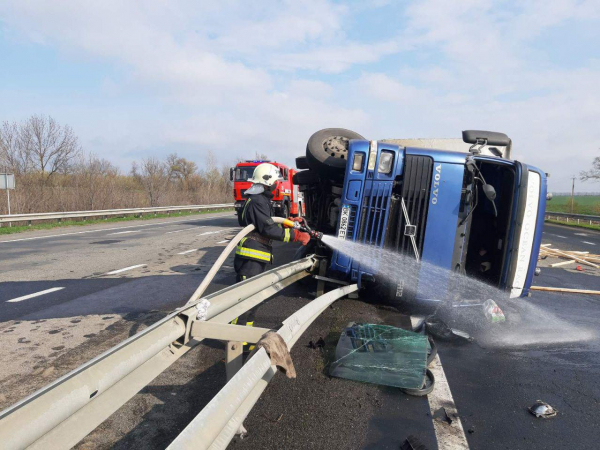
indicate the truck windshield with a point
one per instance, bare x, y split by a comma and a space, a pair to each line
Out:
244, 173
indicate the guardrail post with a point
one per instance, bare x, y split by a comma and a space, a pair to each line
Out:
235, 358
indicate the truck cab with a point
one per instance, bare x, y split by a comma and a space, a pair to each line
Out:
287, 200
475, 212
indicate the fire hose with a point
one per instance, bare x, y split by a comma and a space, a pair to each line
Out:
300, 225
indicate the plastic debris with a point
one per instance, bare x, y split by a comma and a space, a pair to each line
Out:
493, 312
542, 409
412, 443
439, 329
202, 308
441, 415
579, 268
315, 345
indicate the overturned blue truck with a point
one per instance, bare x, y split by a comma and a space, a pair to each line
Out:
461, 205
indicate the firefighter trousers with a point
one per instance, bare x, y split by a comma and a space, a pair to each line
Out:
246, 268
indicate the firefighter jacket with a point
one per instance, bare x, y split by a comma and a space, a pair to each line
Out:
257, 245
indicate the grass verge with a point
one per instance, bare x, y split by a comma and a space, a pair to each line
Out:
575, 225
5, 229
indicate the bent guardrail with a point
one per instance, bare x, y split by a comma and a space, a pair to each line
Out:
218, 422
64, 412
11, 218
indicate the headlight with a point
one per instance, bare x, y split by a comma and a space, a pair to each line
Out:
357, 164
385, 162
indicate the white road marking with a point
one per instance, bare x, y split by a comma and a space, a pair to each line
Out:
37, 294
449, 436
210, 232
114, 272
581, 234
188, 251
589, 243
111, 229
222, 242
185, 229
558, 235
125, 232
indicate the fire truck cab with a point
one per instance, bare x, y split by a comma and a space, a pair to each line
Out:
287, 199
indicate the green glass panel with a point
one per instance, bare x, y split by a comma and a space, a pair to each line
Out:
381, 354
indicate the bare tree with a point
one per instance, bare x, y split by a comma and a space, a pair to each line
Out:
96, 180
153, 176
181, 170
50, 146
13, 152
592, 174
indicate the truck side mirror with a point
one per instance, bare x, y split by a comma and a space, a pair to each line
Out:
231, 171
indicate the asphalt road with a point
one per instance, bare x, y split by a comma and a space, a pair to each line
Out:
548, 349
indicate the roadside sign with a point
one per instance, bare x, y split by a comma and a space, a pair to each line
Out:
7, 181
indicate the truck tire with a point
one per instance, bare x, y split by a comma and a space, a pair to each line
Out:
327, 150
301, 163
305, 177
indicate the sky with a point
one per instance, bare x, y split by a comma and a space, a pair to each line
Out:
148, 78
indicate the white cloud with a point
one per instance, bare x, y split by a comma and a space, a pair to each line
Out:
231, 76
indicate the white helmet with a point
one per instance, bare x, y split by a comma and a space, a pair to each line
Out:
265, 174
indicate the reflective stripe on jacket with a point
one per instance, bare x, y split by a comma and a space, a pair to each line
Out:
257, 211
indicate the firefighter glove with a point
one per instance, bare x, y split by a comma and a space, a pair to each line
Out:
301, 236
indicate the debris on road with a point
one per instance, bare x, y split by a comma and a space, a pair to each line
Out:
441, 415
493, 312
571, 256
542, 409
381, 354
566, 290
315, 345
439, 329
412, 443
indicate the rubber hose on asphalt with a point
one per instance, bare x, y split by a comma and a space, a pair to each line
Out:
221, 259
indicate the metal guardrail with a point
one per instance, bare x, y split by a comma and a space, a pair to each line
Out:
219, 421
64, 412
10, 218
574, 217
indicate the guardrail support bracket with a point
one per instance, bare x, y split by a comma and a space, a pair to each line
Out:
227, 332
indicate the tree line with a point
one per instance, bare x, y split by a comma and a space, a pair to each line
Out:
54, 173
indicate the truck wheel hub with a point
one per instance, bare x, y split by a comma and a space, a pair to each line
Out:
336, 146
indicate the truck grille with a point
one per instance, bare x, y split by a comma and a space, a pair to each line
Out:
372, 214
416, 187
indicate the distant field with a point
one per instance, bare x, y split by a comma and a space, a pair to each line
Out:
584, 204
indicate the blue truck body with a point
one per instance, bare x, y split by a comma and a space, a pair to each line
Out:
434, 185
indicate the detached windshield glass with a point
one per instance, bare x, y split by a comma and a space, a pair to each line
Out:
244, 173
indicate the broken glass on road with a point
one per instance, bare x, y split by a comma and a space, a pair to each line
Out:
381, 354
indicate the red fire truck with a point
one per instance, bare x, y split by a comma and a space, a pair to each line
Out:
287, 200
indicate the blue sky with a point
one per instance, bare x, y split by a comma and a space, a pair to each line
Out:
143, 78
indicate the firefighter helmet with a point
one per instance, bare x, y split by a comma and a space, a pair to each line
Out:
265, 174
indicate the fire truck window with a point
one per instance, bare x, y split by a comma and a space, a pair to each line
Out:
243, 173
284, 173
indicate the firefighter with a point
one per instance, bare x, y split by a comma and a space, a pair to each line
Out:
254, 251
